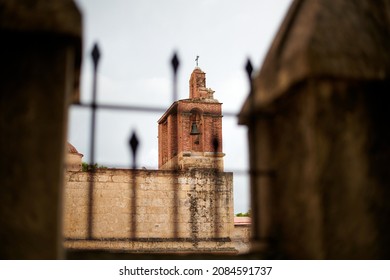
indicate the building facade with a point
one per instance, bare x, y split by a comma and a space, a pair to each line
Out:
185, 206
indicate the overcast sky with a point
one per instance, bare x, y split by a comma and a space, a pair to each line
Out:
137, 40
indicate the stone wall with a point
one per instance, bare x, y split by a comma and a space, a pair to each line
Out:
241, 236
172, 211
40, 56
191, 160
318, 120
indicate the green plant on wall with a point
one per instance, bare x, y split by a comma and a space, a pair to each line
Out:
90, 167
247, 214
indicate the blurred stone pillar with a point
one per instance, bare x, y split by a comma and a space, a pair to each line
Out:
319, 119
40, 54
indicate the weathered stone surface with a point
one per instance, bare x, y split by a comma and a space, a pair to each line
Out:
202, 210
318, 128
40, 55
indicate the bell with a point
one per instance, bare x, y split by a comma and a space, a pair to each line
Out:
194, 130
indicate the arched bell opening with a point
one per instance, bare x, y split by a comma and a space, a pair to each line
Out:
196, 130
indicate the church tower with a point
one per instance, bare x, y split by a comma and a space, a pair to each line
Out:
190, 131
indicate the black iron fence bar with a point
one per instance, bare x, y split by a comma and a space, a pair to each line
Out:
175, 66
176, 203
133, 143
254, 191
236, 172
95, 57
217, 204
145, 109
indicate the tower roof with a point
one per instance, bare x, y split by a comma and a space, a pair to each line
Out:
198, 89
71, 149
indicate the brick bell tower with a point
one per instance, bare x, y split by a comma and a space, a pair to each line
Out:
190, 131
